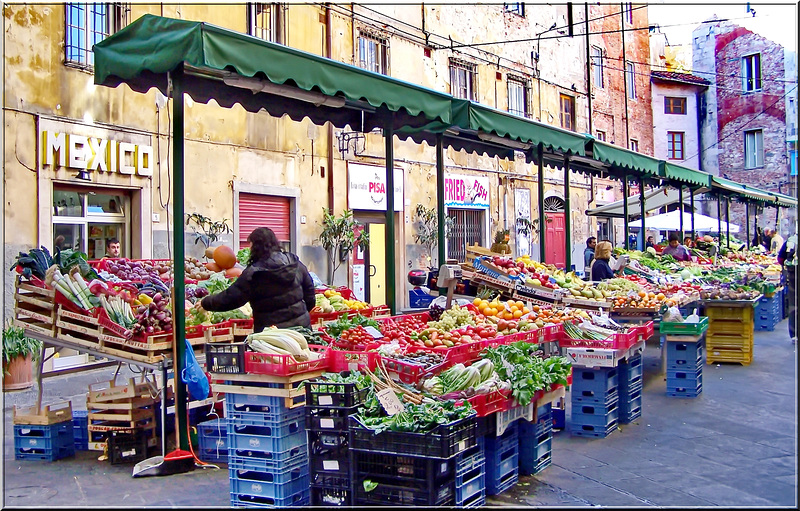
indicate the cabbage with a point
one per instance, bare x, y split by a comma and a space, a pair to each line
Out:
686, 274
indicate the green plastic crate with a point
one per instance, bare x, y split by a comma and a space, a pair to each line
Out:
684, 328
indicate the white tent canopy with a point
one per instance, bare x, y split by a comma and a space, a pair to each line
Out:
671, 222
653, 199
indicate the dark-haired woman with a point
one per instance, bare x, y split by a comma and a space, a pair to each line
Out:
277, 285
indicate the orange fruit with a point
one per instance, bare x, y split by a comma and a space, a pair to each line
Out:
517, 314
477, 301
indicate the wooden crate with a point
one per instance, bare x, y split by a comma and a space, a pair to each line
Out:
80, 328
49, 414
290, 386
34, 308
120, 407
109, 392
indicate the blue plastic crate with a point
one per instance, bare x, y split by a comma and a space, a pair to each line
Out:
587, 396
32, 453
589, 430
255, 414
493, 446
632, 400
275, 437
471, 458
598, 379
255, 460
633, 388
497, 485
544, 412
474, 501
631, 416
684, 350
474, 484
299, 499
212, 439
44, 438
684, 378
531, 455
630, 369
687, 391
543, 425
543, 463
418, 298
268, 484
588, 414
499, 467
559, 418
276, 403
80, 429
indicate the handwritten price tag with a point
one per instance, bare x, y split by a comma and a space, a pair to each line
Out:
390, 402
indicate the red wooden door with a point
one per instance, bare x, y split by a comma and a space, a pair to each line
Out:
555, 240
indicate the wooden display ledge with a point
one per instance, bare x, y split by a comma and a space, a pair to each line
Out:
239, 385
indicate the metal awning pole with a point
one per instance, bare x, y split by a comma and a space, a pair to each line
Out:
178, 312
691, 203
440, 213
747, 222
640, 239
391, 264
719, 219
567, 216
540, 187
625, 208
728, 221
680, 208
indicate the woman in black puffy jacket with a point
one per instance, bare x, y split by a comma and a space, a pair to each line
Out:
277, 285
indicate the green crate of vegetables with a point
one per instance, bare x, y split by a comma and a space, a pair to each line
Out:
679, 328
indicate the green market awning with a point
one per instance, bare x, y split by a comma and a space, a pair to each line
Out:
622, 159
682, 174
259, 75
785, 200
728, 187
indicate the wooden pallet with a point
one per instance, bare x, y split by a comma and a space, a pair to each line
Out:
34, 308
49, 414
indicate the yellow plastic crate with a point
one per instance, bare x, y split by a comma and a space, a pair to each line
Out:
732, 313
715, 355
731, 327
729, 341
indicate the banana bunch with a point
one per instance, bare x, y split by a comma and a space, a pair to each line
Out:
281, 341
459, 377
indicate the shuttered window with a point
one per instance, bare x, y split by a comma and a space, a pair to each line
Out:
263, 211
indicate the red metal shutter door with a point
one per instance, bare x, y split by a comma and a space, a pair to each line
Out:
263, 211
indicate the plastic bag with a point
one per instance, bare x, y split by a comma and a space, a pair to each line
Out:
673, 315
193, 375
692, 318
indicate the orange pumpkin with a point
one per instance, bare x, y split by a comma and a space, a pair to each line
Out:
233, 272
212, 266
224, 257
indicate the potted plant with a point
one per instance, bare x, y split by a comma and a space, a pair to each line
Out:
19, 351
428, 230
206, 230
338, 238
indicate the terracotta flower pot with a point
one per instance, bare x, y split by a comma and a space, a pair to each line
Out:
18, 374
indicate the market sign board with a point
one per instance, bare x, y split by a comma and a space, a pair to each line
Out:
94, 154
470, 192
366, 187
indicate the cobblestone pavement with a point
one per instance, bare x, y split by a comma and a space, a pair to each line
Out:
734, 445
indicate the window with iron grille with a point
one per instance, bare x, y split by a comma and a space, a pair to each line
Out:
462, 79
266, 21
467, 230
674, 105
597, 66
675, 145
517, 96
515, 7
751, 72
372, 53
567, 112
753, 149
630, 78
89, 23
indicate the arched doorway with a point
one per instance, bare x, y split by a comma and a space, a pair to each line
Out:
555, 235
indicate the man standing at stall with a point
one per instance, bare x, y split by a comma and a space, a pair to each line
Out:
787, 258
776, 242
588, 253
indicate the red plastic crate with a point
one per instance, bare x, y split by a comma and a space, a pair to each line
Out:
106, 322
317, 317
195, 331
486, 404
66, 303
339, 360
282, 365
367, 313
644, 332
240, 325
613, 342
410, 373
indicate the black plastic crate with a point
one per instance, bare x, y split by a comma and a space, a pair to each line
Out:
387, 493
127, 447
333, 464
336, 496
225, 358
328, 418
320, 442
414, 470
444, 441
327, 393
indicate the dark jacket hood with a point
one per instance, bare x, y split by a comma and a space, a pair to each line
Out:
279, 267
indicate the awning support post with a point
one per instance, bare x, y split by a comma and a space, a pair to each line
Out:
747, 222
719, 219
728, 222
540, 187
680, 209
178, 313
625, 209
440, 213
391, 266
640, 239
691, 203
567, 216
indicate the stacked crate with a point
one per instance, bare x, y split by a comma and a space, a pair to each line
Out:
212, 441
730, 333
536, 441
502, 460
397, 468
124, 409
471, 476
45, 434
328, 406
630, 389
769, 312
595, 401
267, 457
80, 429
684, 365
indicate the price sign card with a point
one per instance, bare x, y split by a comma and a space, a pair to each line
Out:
391, 403
374, 332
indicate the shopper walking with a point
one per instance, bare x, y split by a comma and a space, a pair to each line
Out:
588, 253
676, 250
787, 258
277, 285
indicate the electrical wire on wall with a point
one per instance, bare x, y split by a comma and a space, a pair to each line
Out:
165, 203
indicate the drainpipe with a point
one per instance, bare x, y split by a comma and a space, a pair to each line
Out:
391, 263
328, 54
625, 207
567, 217
588, 71
540, 185
625, 78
